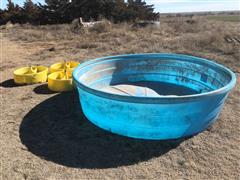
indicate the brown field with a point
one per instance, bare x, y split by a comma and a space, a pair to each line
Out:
45, 136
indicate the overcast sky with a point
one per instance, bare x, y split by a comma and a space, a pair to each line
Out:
166, 6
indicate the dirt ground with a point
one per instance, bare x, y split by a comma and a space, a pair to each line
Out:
44, 135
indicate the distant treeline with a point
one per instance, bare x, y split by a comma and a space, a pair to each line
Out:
64, 11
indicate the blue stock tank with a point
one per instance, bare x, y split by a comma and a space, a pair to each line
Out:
185, 94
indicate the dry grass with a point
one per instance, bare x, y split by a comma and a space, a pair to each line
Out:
181, 35
196, 36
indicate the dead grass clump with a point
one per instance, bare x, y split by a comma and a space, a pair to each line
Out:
236, 54
10, 26
166, 30
58, 32
205, 40
210, 41
185, 27
120, 35
30, 35
102, 27
196, 25
86, 46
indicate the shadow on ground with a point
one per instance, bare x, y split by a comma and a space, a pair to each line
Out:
43, 89
9, 84
56, 130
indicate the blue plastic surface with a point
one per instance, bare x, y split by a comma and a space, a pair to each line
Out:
201, 87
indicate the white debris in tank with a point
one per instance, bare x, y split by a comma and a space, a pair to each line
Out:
132, 90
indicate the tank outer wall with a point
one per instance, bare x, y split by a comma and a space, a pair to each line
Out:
152, 121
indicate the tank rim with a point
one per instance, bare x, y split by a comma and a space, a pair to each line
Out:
154, 100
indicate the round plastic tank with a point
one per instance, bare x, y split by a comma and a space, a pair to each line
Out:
186, 94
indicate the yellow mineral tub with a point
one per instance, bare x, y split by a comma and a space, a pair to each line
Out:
30, 75
68, 66
60, 81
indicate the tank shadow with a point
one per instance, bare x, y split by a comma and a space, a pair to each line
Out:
56, 130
